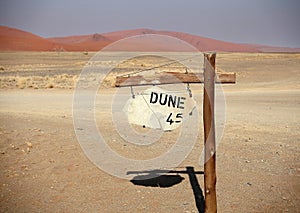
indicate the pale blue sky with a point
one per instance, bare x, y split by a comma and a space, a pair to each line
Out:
270, 22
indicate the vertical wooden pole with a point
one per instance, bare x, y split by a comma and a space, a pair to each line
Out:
209, 134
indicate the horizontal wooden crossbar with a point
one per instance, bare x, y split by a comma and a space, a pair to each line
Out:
171, 78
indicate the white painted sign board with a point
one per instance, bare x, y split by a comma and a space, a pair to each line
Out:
159, 109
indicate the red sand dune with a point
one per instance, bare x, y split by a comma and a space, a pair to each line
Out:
17, 40
86, 42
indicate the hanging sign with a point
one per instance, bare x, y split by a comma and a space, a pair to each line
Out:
160, 109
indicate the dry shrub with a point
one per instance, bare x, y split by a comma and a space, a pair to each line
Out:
50, 85
21, 83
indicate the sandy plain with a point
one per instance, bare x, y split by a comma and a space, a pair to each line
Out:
43, 168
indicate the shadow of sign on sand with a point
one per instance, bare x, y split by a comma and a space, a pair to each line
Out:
162, 181
169, 180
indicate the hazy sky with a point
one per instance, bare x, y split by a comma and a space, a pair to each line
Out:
270, 22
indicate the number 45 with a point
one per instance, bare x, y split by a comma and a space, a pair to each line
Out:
178, 118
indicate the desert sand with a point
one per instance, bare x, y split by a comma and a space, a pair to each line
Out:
43, 168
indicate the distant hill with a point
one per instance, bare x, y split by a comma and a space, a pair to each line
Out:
17, 40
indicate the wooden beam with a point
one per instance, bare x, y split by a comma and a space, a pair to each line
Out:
209, 134
171, 78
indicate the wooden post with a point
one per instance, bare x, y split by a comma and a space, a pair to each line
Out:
209, 134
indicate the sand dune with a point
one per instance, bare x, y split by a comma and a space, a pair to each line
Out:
17, 40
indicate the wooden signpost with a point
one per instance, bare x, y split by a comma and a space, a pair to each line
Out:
209, 79
210, 177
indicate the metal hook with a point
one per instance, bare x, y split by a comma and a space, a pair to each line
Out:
189, 90
188, 85
132, 92
131, 89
